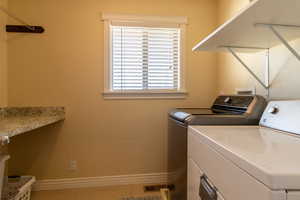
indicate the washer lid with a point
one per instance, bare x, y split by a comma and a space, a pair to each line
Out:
272, 157
182, 114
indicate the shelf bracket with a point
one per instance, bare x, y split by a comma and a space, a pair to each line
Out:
281, 38
235, 55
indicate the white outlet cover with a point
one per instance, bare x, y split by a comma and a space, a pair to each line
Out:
73, 165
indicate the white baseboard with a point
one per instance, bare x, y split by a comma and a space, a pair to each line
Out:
86, 182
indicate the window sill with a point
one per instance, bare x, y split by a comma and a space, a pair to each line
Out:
144, 94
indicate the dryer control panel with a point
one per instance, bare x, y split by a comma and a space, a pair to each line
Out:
282, 115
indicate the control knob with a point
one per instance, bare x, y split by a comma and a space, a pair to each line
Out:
273, 110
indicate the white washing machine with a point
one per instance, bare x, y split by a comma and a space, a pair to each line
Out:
247, 162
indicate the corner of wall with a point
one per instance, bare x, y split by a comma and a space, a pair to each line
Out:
226, 66
3, 57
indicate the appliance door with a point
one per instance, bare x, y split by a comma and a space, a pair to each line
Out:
230, 180
177, 159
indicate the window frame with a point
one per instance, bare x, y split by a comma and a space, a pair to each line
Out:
148, 21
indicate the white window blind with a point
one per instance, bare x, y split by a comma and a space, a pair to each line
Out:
145, 58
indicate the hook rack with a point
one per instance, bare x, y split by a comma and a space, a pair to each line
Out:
266, 85
26, 28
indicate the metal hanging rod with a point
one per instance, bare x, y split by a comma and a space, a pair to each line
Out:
285, 42
244, 47
280, 37
278, 25
266, 86
26, 28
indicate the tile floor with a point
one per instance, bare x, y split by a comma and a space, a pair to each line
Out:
103, 193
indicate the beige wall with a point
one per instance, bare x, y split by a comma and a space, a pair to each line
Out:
3, 56
228, 8
231, 75
64, 66
284, 67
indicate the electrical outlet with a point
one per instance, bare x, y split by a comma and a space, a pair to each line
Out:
73, 165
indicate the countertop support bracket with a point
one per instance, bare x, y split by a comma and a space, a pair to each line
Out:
235, 55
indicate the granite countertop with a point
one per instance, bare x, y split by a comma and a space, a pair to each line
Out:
18, 120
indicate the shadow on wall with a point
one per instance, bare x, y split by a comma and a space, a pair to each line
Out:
29, 149
285, 71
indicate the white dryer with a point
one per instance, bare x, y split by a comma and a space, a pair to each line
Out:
247, 162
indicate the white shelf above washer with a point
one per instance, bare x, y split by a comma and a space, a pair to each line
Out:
243, 30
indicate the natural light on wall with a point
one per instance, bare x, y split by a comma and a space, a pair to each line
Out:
144, 56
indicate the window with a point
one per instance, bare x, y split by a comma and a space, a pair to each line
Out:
144, 57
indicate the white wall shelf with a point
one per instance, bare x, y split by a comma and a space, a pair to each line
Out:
254, 27
260, 26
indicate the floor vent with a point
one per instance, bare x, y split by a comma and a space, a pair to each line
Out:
143, 198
